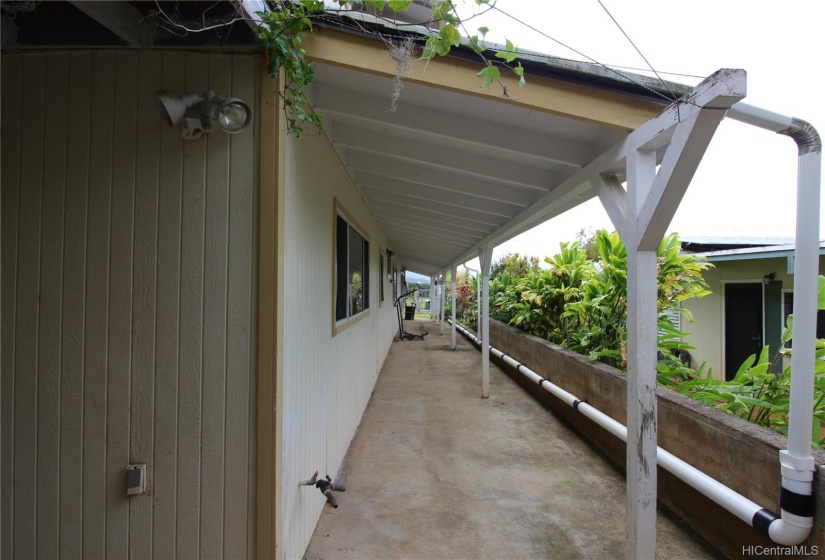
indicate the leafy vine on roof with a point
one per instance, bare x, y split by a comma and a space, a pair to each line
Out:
281, 30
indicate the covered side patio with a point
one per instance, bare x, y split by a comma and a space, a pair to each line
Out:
436, 472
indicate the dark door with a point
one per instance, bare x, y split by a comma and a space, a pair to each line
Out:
743, 324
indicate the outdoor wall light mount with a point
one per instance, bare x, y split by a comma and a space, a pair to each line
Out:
768, 278
231, 114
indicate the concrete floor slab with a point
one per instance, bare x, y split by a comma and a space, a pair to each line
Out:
435, 471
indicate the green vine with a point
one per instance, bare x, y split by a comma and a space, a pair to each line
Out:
281, 31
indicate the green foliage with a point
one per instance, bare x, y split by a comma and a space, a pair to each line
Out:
514, 265
509, 54
756, 393
580, 302
281, 32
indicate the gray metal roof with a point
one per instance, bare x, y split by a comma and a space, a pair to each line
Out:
752, 253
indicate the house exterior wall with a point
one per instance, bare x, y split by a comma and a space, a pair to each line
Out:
327, 378
707, 333
129, 315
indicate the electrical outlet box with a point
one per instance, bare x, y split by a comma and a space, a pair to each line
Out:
135, 479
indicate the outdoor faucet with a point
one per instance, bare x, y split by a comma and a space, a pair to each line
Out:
325, 486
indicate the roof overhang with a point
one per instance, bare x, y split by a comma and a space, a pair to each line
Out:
754, 253
455, 165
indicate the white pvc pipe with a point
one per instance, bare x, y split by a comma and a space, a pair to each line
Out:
759, 117
789, 530
797, 462
806, 271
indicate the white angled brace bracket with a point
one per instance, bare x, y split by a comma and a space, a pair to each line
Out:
682, 132
678, 139
614, 199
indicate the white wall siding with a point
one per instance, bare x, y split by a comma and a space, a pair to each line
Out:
327, 379
129, 315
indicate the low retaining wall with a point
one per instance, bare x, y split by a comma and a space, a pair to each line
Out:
741, 455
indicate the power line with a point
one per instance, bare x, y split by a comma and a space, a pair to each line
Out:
637, 49
591, 59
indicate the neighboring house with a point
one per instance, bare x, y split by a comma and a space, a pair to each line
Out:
752, 295
218, 310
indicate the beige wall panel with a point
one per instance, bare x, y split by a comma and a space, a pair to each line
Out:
144, 274
51, 267
127, 259
97, 306
167, 347
240, 497
28, 272
706, 328
191, 330
120, 304
327, 379
74, 303
214, 326
12, 94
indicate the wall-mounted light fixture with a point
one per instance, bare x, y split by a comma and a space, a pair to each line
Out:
389, 264
230, 113
768, 278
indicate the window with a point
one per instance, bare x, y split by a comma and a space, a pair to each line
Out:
380, 278
787, 309
352, 279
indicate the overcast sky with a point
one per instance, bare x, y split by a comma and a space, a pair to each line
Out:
746, 184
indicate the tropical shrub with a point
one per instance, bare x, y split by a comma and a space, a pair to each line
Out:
756, 393
581, 303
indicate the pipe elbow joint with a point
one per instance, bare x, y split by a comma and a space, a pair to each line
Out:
790, 529
805, 135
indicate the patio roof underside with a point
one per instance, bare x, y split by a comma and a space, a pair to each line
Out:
445, 171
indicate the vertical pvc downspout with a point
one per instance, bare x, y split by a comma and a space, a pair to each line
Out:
796, 498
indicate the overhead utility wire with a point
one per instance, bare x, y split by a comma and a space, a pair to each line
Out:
390, 37
637, 49
591, 59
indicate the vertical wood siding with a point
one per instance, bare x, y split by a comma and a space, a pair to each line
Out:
129, 319
327, 379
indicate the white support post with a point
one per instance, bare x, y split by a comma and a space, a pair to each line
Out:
442, 300
641, 216
453, 274
485, 321
433, 289
641, 371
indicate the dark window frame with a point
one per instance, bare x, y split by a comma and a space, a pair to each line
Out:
351, 272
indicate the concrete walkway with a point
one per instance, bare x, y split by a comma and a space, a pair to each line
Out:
437, 472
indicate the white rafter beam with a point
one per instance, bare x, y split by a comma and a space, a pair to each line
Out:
375, 142
458, 130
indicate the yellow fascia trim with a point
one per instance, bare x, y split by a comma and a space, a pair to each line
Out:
540, 94
270, 320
